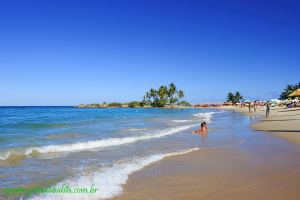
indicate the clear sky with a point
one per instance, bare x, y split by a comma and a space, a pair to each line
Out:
59, 52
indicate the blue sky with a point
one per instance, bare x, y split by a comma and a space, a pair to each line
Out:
58, 52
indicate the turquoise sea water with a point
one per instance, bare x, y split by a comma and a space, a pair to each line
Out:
55, 145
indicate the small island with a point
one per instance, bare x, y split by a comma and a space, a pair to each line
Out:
163, 97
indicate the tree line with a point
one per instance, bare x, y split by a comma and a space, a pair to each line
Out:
234, 98
288, 90
237, 97
165, 96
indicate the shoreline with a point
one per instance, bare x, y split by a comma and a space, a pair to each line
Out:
282, 122
269, 171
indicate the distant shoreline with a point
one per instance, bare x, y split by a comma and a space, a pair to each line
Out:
36, 106
282, 122
136, 107
128, 105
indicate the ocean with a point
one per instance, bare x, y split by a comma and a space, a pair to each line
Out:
100, 147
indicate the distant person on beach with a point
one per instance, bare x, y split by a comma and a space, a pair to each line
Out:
249, 106
203, 128
254, 106
267, 109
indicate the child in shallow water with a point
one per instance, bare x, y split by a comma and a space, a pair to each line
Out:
203, 128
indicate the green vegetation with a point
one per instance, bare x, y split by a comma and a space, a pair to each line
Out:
163, 96
135, 104
115, 105
234, 98
288, 90
93, 105
184, 103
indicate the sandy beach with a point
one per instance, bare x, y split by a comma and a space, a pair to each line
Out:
266, 167
282, 122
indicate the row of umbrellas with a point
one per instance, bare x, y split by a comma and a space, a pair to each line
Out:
296, 93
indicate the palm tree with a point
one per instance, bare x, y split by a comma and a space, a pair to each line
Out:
288, 90
147, 98
163, 96
238, 97
234, 98
230, 97
180, 94
163, 92
171, 92
153, 94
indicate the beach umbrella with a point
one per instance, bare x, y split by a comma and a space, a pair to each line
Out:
276, 100
296, 93
287, 101
247, 101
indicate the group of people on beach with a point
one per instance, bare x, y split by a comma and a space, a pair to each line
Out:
267, 106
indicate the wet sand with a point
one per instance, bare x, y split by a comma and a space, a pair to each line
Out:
268, 169
282, 122
217, 174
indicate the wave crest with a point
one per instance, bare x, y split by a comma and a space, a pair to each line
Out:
108, 180
206, 116
83, 146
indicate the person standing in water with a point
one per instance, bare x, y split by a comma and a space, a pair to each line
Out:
267, 109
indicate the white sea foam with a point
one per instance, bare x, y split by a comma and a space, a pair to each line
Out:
6, 155
206, 116
109, 181
136, 129
83, 146
181, 121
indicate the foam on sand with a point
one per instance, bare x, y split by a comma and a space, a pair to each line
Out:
109, 181
83, 146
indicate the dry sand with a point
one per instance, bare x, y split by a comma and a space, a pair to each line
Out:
282, 122
257, 172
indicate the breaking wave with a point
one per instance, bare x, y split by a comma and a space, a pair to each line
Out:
206, 116
109, 181
181, 120
83, 146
